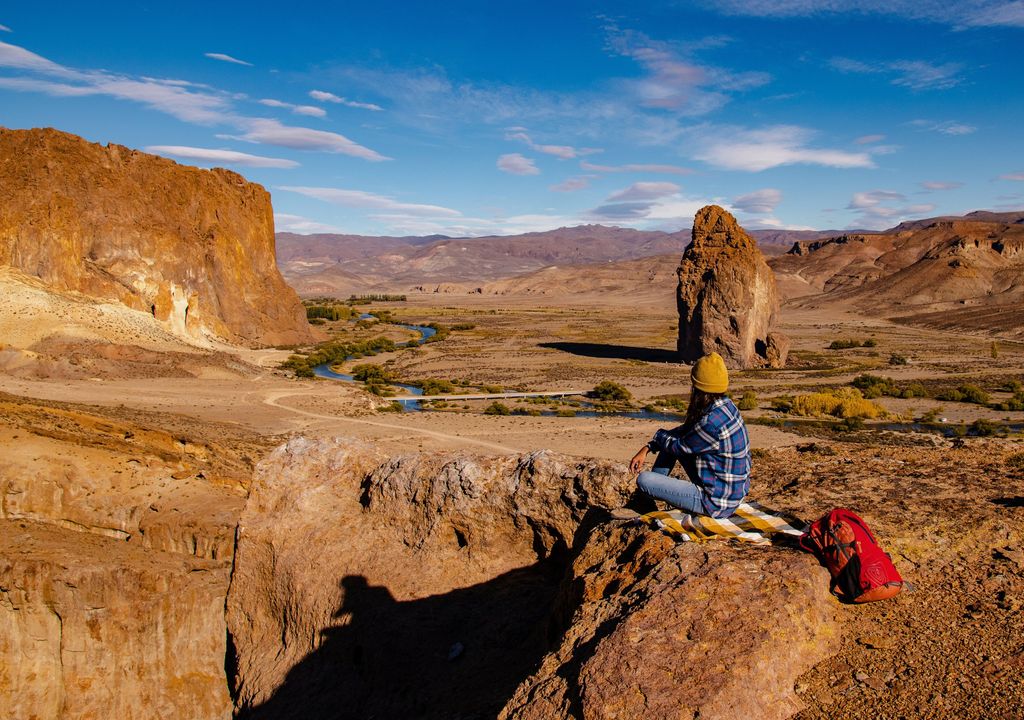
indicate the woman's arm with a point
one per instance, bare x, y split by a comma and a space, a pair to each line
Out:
638, 460
694, 442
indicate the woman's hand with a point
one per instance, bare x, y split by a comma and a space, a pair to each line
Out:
637, 463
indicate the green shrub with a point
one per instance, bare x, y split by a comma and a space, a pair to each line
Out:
364, 299
534, 412
870, 342
1016, 461
986, 428
609, 391
393, 406
371, 374
497, 408
897, 359
844, 344
463, 326
565, 412
748, 401
967, 394
782, 403
434, 386
841, 403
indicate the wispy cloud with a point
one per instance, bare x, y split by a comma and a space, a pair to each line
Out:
936, 185
297, 109
946, 127
868, 139
4, 28
1012, 176
563, 152
879, 209
759, 202
323, 96
637, 168
674, 81
913, 74
756, 150
644, 191
285, 222
372, 201
183, 100
272, 132
516, 164
572, 184
968, 13
227, 58
230, 157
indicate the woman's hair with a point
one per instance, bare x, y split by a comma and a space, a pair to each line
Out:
700, 401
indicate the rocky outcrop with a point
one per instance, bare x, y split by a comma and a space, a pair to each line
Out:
659, 630
96, 628
726, 296
193, 247
328, 621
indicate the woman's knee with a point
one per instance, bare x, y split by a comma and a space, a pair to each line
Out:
648, 480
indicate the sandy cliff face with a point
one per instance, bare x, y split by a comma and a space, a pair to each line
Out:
193, 247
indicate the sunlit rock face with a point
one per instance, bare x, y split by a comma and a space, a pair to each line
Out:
193, 247
726, 296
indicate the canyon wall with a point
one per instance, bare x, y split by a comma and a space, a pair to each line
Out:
193, 247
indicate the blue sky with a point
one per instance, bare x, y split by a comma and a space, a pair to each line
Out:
484, 118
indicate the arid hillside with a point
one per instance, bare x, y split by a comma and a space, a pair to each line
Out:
193, 248
971, 268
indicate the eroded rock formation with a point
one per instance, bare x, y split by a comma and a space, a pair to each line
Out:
726, 296
193, 247
433, 585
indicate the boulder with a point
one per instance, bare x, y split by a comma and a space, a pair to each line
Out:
655, 629
726, 296
193, 247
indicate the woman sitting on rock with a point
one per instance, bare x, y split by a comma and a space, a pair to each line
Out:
711, 445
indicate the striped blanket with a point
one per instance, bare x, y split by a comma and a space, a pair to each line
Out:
751, 522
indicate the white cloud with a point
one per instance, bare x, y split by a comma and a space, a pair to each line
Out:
272, 132
1012, 176
756, 150
221, 156
637, 168
284, 222
323, 96
516, 164
297, 109
372, 201
868, 139
564, 152
183, 100
673, 81
759, 202
940, 185
967, 13
4, 28
946, 127
644, 191
572, 184
227, 58
880, 209
913, 74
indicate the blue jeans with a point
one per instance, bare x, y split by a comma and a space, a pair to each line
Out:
682, 493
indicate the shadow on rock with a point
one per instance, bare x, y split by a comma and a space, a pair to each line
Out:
614, 352
457, 655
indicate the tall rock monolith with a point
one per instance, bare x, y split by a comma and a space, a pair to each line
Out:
726, 297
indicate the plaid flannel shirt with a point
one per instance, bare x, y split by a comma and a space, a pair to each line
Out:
721, 449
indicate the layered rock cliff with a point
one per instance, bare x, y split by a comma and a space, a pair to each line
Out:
726, 296
193, 247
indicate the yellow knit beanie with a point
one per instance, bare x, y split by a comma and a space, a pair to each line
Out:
709, 374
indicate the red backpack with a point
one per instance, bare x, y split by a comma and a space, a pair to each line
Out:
861, 571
